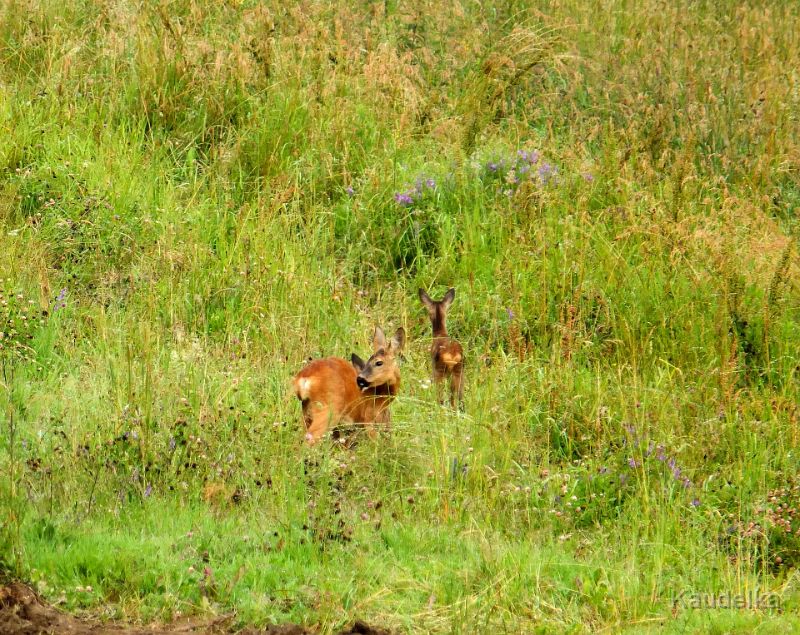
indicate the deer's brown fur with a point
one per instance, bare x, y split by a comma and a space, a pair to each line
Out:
447, 355
333, 390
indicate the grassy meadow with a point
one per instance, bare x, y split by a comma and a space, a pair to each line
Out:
196, 197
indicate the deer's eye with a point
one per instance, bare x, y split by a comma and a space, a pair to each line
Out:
379, 363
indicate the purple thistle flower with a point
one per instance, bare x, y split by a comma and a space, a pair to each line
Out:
61, 300
533, 157
632, 462
696, 502
350, 191
671, 463
676, 472
588, 177
546, 172
522, 154
403, 199
491, 166
430, 183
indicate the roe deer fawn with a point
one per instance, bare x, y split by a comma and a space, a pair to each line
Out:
333, 390
446, 353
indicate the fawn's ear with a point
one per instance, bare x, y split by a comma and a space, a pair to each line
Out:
398, 340
357, 362
379, 339
448, 298
426, 300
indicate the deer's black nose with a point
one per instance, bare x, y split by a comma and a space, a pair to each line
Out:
362, 383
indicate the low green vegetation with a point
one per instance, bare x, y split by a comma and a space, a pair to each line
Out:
196, 197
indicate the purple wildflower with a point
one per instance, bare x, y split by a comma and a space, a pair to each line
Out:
61, 300
696, 502
546, 172
403, 199
632, 462
491, 166
687, 483
510, 314
350, 191
148, 490
588, 177
430, 183
660, 454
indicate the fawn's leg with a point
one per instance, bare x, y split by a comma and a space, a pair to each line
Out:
438, 384
457, 387
320, 419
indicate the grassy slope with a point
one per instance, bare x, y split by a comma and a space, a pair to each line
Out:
183, 173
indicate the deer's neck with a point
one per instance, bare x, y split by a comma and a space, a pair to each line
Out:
439, 327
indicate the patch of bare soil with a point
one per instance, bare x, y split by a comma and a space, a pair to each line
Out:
22, 612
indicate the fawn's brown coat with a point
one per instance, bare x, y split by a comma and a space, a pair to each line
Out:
447, 355
333, 390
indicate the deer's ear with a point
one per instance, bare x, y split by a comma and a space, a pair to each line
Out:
379, 339
448, 298
398, 340
357, 362
426, 300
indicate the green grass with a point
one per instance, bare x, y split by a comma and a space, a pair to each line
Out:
213, 185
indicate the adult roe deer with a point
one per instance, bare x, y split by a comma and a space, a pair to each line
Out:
447, 355
333, 390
